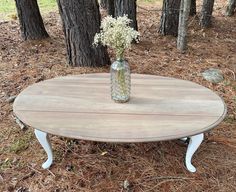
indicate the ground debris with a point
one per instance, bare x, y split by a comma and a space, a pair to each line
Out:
126, 184
19, 122
69, 167
28, 175
1, 179
11, 99
22, 189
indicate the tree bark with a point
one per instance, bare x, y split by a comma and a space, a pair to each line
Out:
31, 22
81, 21
111, 7
183, 24
127, 7
103, 4
170, 17
230, 10
193, 8
206, 13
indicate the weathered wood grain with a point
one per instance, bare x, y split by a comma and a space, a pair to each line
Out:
80, 106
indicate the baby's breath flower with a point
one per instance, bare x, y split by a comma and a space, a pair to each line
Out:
117, 34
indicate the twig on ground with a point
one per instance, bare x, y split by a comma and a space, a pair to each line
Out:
34, 169
28, 175
223, 141
19, 122
51, 173
192, 20
170, 177
233, 73
11, 99
160, 183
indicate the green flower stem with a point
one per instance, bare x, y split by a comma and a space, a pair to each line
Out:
121, 81
121, 73
120, 54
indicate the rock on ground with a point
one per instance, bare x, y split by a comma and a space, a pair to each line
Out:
213, 75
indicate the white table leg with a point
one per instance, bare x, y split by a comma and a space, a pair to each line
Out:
194, 142
44, 141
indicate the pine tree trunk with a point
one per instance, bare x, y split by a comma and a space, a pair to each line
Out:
81, 21
31, 22
127, 7
183, 25
103, 4
206, 13
170, 17
111, 7
193, 8
230, 10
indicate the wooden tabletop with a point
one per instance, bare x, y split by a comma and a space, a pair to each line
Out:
160, 108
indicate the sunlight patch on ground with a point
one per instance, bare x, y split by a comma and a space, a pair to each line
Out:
8, 8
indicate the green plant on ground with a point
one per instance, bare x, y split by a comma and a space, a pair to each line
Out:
7, 163
21, 144
47, 5
10, 163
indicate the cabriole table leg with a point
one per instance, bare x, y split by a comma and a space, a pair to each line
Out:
44, 141
193, 145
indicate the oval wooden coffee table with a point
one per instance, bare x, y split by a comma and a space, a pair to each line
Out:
160, 108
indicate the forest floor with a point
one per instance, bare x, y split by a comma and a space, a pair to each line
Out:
103, 167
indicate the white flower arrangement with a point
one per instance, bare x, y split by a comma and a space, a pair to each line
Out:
117, 34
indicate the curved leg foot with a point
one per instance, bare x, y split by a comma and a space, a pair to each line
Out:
44, 141
193, 145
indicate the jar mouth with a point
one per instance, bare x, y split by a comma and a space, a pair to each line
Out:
120, 59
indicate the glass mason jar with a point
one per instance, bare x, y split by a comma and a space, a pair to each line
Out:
120, 81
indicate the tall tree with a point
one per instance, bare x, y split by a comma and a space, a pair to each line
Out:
118, 8
81, 21
183, 24
31, 22
170, 17
111, 7
122, 7
103, 4
193, 8
206, 13
231, 7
